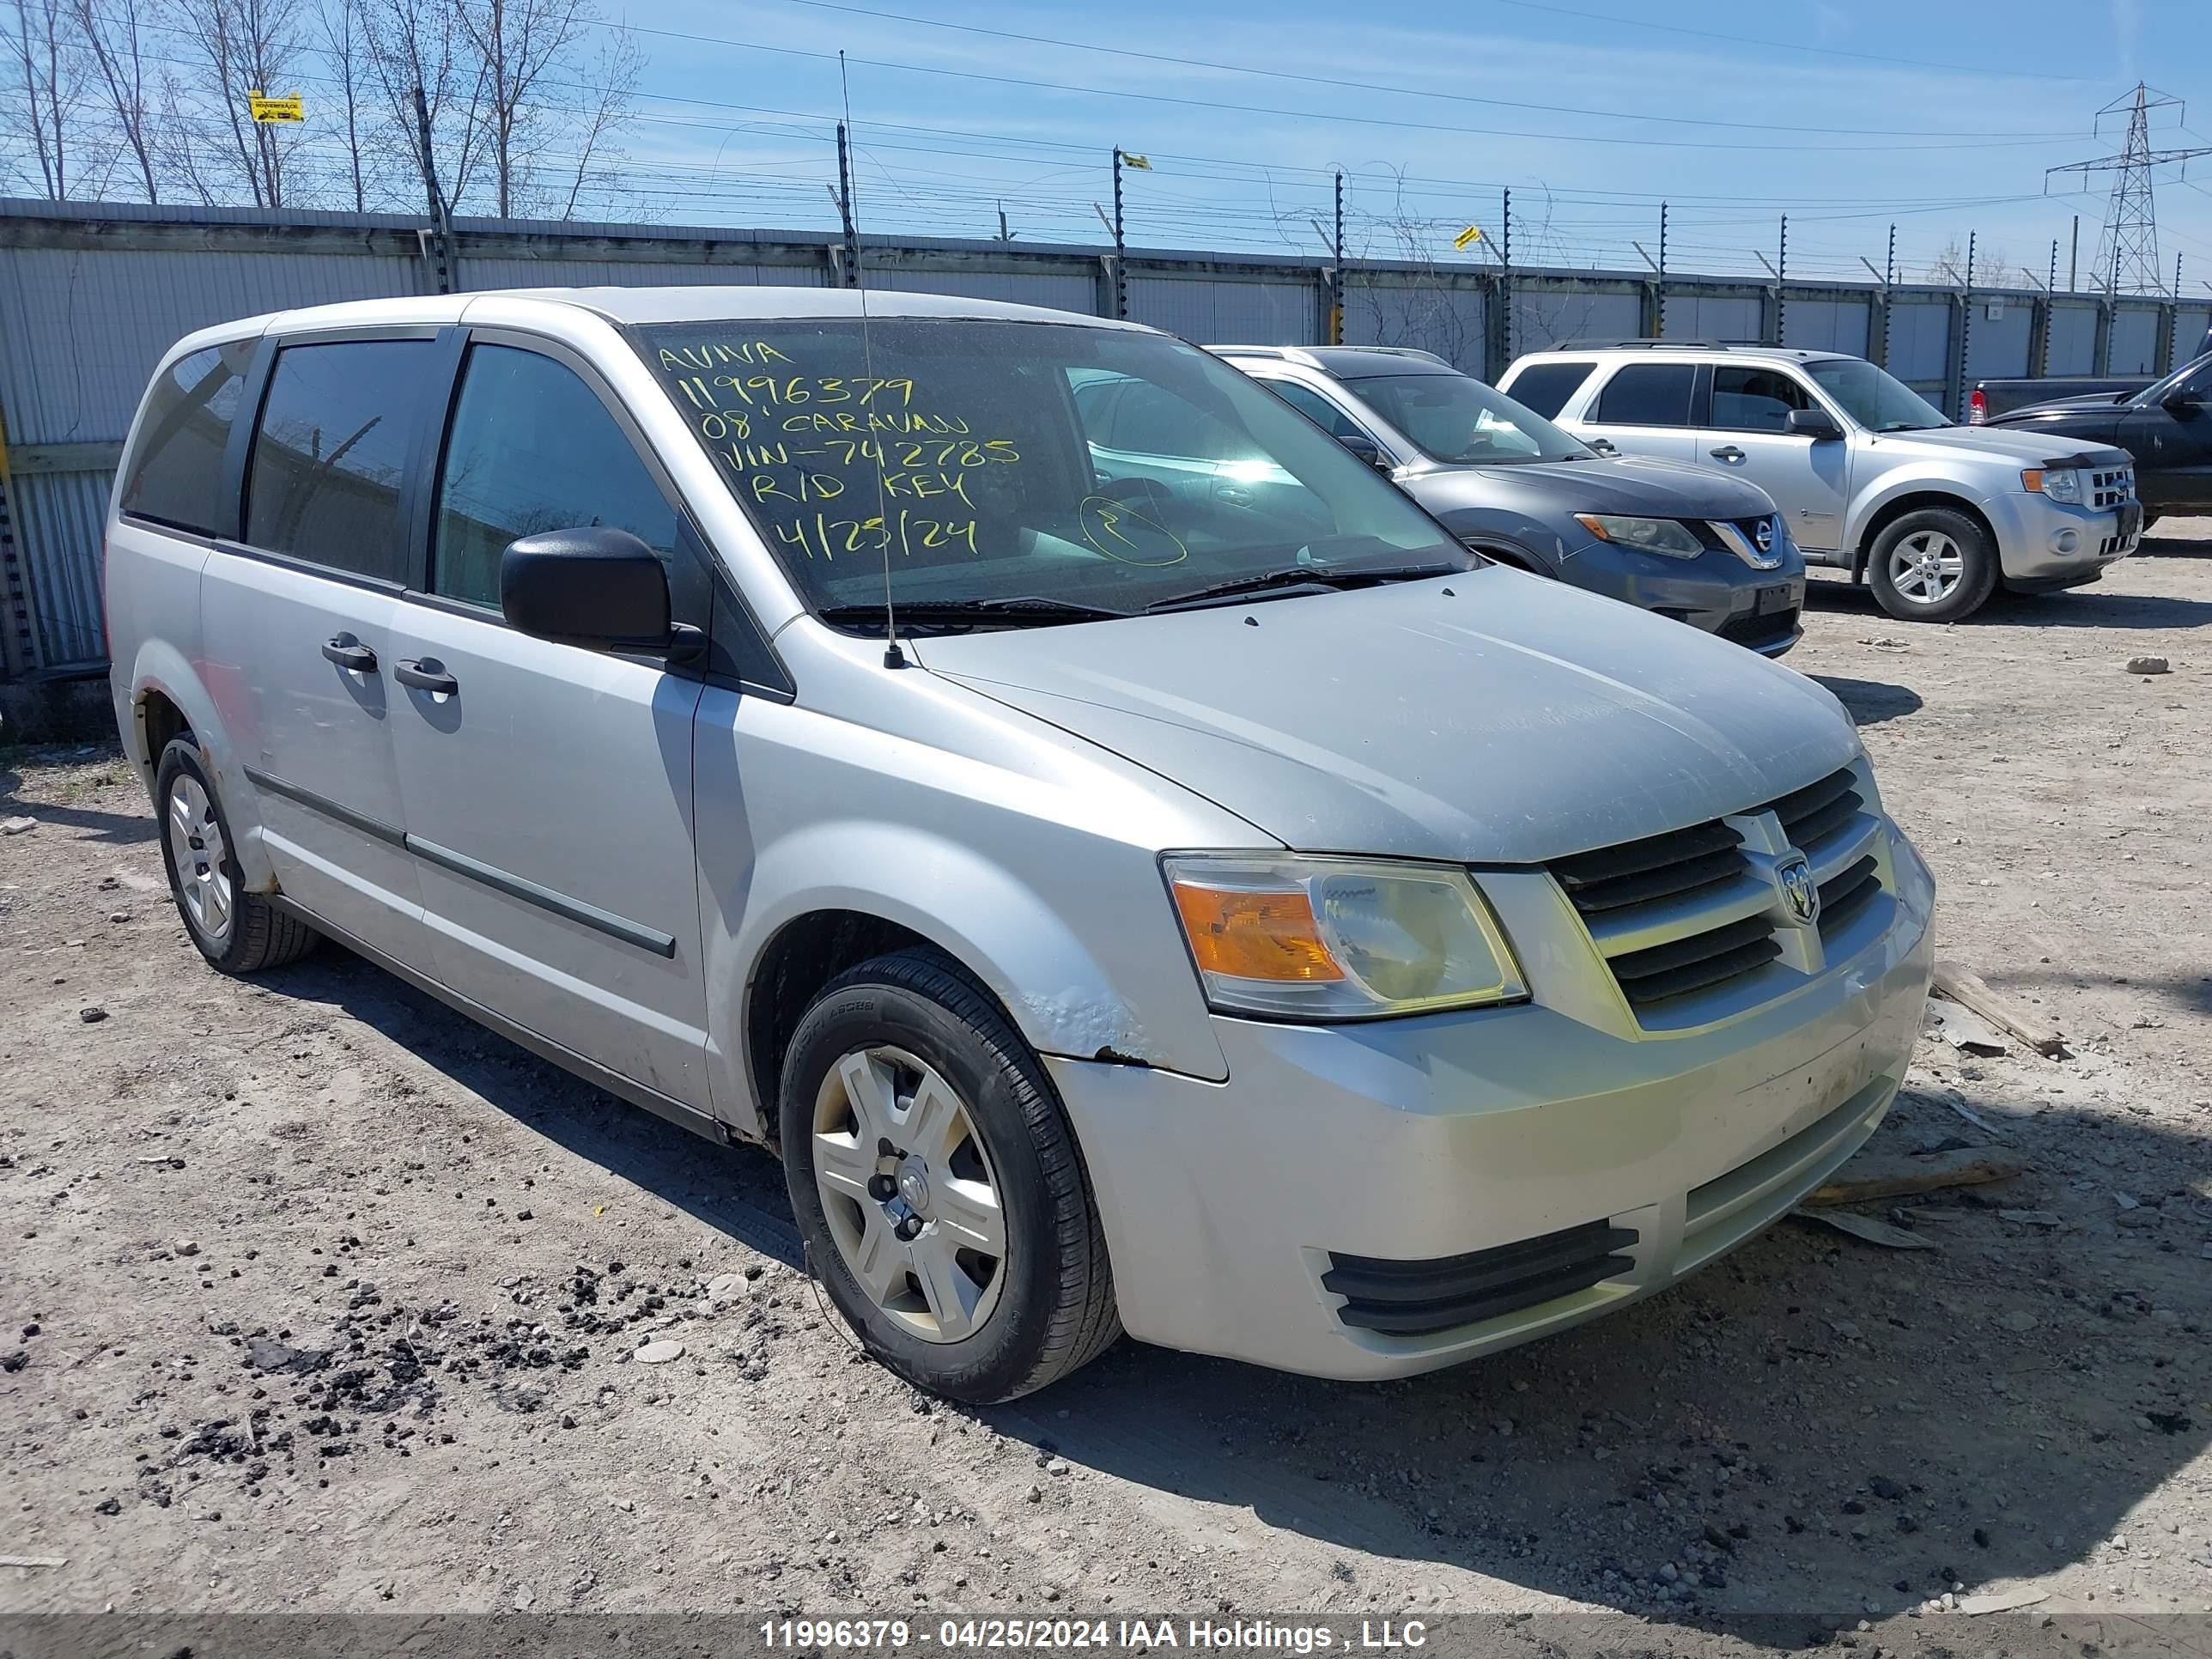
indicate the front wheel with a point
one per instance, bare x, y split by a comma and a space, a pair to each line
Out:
1935, 565
938, 1185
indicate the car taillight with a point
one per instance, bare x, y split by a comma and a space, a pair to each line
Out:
1978, 408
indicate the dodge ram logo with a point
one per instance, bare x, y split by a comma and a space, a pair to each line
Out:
1800, 899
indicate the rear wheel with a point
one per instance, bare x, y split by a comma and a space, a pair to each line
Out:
1935, 565
239, 932
938, 1185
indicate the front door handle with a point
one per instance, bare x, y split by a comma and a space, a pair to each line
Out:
426, 674
349, 654
1728, 452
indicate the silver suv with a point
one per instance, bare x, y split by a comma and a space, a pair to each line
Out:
1215, 905
1870, 476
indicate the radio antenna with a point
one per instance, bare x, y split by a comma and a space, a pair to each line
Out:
893, 657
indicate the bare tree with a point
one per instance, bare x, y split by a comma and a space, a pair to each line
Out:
422, 43
345, 48
114, 34
245, 46
608, 84
46, 60
519, 43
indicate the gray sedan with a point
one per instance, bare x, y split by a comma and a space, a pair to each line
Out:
1675, 539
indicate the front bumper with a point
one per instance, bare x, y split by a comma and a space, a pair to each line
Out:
1717, 592
2043, 545
1227, 1206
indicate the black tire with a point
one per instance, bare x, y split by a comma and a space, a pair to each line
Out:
1979, 562
258, 934
1053, 1311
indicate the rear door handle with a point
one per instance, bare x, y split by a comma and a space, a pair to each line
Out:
426, 674
349, 654
1726, 453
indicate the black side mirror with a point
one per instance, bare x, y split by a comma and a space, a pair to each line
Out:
2183, 403
596, 587
1366, 449
1814, 423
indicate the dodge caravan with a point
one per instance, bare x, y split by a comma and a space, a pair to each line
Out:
1204, 901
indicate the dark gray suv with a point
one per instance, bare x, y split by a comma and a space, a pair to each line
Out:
1675, 540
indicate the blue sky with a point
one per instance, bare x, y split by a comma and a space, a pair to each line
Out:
1942, 116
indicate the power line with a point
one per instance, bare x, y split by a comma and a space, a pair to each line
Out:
1396, 91
1788, 45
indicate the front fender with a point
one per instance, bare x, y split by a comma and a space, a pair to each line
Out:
1913, 478
1061, 989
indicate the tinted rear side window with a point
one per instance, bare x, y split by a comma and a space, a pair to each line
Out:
332, 446
1546, 387
176, 477
1646, 394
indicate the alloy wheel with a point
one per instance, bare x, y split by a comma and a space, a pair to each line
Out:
198, 853
910, 1193
1927, 567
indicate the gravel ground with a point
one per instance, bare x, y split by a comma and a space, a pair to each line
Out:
316, 1298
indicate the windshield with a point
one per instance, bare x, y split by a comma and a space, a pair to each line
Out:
1872, 397
1046, 467
1452, 417
2194, 376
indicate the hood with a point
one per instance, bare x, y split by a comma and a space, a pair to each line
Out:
2097, 402
1514, 721
1638, 484
2028, 447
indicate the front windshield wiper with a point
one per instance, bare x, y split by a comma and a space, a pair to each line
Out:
1914, 426
1010, 611
1298, 576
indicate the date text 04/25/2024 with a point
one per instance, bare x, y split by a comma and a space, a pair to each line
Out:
1134, 1635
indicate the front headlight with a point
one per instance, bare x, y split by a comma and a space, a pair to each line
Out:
1325, 938
2058, 483
1645, 534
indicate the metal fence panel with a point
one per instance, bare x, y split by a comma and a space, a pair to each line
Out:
1543, 316
2191, 327
1716, 317
1997, 333
1920, 341
1061, 290
1448, 321
85, 327
60, 523
2136, 341
1229, 311
1828, 326
473, 272
2072, 338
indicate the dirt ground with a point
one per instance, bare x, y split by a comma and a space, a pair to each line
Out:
314, 1297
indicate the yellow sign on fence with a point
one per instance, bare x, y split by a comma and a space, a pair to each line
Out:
269, 111
1467, 238
1142, 163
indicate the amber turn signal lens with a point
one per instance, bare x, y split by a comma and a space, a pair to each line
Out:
2032, 480
1254, 935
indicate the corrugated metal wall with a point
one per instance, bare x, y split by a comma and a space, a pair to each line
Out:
2072, 338
91, 295
1227, 311
1716, 317
1429, 316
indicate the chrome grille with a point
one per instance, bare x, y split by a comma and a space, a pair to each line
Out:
2111, 486
1684, 918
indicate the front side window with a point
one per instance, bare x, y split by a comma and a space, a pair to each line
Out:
1872, 397
1755, 399
1648, 394
988, 460
332, 447
533, 449
1315, 408
176, 477
1546, 387
1452, 417
2191, 379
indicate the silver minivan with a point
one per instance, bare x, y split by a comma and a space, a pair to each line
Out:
1206, 901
